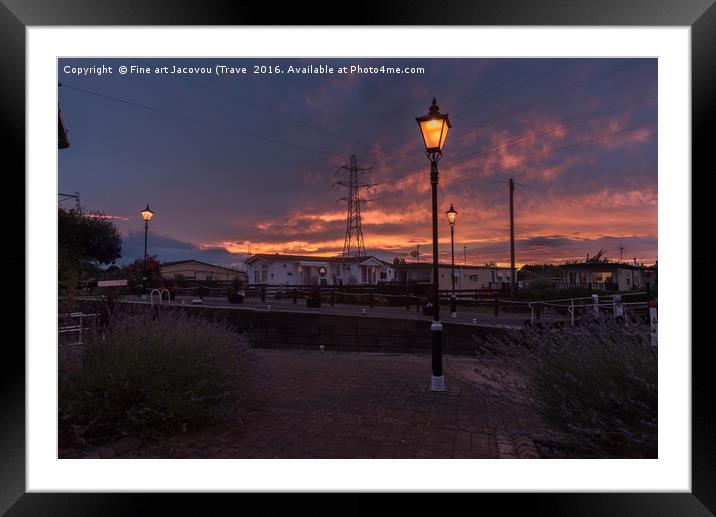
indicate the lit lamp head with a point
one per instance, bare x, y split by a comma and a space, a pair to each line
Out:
434, 128
147, 214
451, 215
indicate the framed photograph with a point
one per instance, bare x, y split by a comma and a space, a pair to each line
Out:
419, 252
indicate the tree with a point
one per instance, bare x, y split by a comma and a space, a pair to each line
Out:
137, 271
600, 257
84, 242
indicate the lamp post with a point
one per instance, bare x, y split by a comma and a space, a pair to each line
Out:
147, 215
434, 128
452, 215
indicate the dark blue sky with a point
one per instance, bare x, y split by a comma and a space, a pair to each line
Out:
229, 162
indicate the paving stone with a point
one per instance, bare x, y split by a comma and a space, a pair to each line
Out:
347, 405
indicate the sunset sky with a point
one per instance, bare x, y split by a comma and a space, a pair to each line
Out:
232, 163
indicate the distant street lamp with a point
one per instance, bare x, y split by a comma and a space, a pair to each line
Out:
452, 215
434, 128
147, 215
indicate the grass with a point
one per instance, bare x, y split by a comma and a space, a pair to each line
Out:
148, 374
594, 384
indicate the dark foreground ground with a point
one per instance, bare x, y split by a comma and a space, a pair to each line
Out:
357, 405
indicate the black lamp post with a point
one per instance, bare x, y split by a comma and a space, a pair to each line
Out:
452, 215
434, 128
147, 215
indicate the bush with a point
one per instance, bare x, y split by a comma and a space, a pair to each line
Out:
156, 373
235, 293
594, 383
543, 293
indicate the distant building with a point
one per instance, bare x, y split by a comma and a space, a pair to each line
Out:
607, 276
275, 269
197, 270
466, 277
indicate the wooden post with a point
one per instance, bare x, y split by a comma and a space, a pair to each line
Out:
263, 293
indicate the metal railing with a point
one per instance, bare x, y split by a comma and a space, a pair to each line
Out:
77, 326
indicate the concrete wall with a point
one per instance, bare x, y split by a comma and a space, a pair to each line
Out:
308, 331
340, 333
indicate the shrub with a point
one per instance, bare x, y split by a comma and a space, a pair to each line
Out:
313, 299
155, 373
594, 383
235, 293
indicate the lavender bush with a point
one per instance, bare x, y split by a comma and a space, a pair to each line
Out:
152, 373
594, 384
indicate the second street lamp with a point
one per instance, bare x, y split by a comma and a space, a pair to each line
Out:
434, 128
452, 216
147, 215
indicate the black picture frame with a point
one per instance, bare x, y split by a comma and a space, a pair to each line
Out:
700, 15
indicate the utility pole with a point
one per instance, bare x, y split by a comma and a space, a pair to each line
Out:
513, 275
621, 251
464, 250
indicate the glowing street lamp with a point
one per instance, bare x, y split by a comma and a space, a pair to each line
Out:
452, 216
147, 215
434, 129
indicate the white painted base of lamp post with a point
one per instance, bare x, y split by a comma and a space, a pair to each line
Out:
453, 314
437, 383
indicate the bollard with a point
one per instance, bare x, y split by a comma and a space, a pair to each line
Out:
453, 306
295, 295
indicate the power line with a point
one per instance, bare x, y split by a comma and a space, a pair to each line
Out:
571, 146
284, 116
516, 87
531, 79
541, 100
192, 119
615, 108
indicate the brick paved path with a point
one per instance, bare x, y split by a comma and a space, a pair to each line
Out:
352, 405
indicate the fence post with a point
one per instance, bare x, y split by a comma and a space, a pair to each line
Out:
371, 300
653, 324
497, 306
263, 293
333, 296
571, 310
618, 307
595, 304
